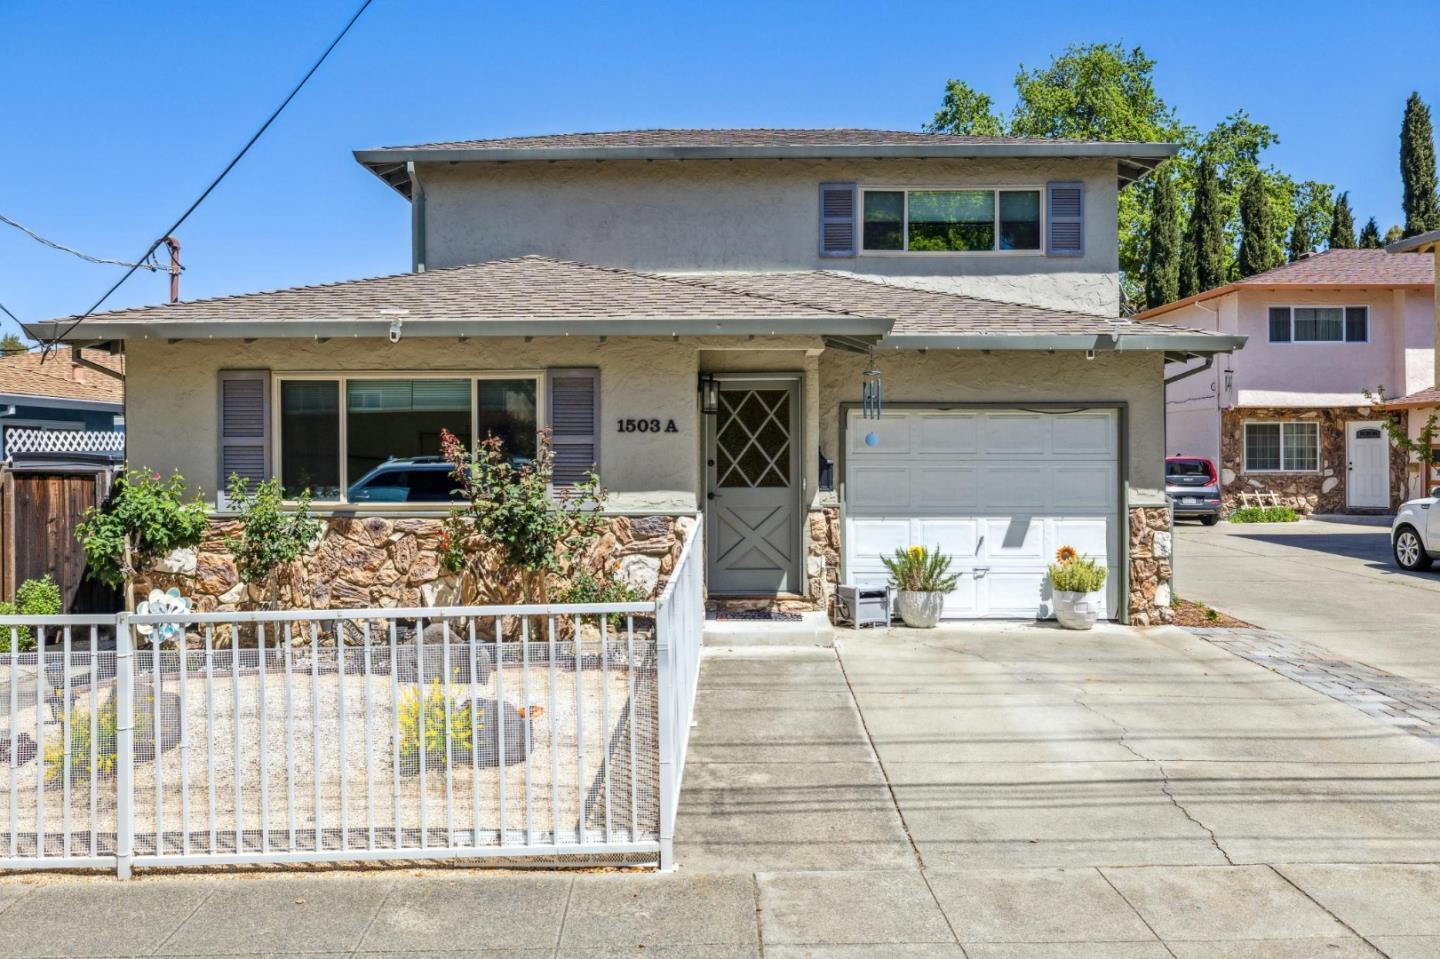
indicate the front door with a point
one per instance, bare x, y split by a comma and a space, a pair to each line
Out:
751, 477
1367, 473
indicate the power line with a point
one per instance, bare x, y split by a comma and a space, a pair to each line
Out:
216, 182
100, 260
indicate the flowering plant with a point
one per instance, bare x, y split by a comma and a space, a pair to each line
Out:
1075, 573
920, 570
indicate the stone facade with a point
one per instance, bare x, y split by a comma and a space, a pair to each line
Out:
1321, 492
382, 562
1151, 539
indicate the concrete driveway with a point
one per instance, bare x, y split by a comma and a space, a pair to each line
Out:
1330, 583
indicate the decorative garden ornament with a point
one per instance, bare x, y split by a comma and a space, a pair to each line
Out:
870, 390
168, 603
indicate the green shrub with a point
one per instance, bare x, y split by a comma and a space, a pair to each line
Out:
35, 597
1264, 514
584, 588
145, 517
1077, 574
82, 747
919, 570
428, 721
271, 536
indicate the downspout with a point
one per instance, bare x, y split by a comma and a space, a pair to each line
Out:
417, 219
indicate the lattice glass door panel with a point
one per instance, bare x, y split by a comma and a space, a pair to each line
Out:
752, 439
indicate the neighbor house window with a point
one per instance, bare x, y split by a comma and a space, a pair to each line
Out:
951, 221
1319, 324
371, 439
1282, 447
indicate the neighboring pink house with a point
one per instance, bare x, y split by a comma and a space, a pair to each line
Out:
1288, 413
1420, 405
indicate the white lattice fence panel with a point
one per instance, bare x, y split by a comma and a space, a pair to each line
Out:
63, 441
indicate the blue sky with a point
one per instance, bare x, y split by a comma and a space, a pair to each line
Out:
117, 114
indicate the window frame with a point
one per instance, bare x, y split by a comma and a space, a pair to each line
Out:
1342, 307
1282, 424
906, 190
342, 379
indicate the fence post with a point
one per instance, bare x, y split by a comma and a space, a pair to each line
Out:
124, 746
665, 701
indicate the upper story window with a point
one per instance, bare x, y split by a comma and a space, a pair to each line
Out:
951, 221
1319, 324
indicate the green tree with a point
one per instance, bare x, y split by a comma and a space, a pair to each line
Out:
1203, 265
1394, 235
1257, 246
271, 537
10, 344
1342, 224
1417, 168
1313, 210
967, 111
1369, 235
1162, 259
145, 517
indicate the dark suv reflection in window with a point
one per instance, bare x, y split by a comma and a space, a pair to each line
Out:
420, 479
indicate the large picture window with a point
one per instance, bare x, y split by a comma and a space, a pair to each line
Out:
376, 439
1282, 447
951, 221
1319, 324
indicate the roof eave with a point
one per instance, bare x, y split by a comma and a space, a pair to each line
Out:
1420, 243
1134, 160
1198, 344
120, 329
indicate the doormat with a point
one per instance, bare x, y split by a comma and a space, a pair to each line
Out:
755, 615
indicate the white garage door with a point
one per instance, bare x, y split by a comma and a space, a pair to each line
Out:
999, 491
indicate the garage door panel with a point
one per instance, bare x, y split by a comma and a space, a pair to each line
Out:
1015, 593
1079, 487
1014, 537
941, 488
956, 538
1008, 434
880, 487
1083, 434
947, 432
891, 432
964, 601
1091, 536
1021, 486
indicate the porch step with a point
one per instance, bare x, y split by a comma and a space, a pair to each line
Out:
812, 629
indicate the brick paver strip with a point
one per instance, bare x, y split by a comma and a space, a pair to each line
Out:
1405, 703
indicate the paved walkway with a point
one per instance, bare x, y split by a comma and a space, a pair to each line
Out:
990, 792
1331, 583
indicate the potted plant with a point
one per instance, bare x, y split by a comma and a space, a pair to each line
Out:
1078, 584
921, 578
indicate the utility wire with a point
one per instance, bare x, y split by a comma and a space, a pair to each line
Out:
216, 182
150, 265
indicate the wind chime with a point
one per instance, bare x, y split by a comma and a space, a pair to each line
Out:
870, 390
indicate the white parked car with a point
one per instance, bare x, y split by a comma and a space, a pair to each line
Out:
1415, 534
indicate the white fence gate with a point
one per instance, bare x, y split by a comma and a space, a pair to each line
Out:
498, 733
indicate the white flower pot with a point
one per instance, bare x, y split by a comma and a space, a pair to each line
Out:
1078, 610
919, 610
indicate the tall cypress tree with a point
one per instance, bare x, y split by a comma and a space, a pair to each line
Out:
1370, 235
1256, 229
1162, 258
1300, 236
1417, 168
1342, 224
1207, 229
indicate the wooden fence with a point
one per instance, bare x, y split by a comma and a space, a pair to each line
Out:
39, 510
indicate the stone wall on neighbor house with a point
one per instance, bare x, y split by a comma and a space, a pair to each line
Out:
382, 562
1151, 539
1322, 492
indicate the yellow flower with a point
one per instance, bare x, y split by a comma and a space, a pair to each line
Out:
917, 552
1065, 554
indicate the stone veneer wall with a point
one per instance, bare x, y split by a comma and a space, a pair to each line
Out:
1151, 539
380, 562
1322, 492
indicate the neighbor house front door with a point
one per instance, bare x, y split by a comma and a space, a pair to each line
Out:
752, 466
1367, 475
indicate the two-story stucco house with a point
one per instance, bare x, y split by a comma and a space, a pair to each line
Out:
1289, 414
697, 313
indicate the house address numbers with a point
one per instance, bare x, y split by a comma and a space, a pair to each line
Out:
646, 426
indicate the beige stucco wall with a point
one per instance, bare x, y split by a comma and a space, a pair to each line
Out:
1020, 378
171, 406
717, 215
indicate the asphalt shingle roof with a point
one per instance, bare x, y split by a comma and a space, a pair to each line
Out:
28, 374
537, 288
755, 137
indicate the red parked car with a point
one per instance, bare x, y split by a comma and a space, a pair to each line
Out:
1192, 484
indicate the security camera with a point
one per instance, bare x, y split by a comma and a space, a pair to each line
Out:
394, 331
1089, 354
397, 317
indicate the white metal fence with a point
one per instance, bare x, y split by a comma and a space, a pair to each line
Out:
553, 732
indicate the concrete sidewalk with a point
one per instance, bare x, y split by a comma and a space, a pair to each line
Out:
988, 791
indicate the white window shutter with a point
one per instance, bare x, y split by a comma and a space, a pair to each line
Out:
574, 410
1065, 233
837, 219
244, 427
